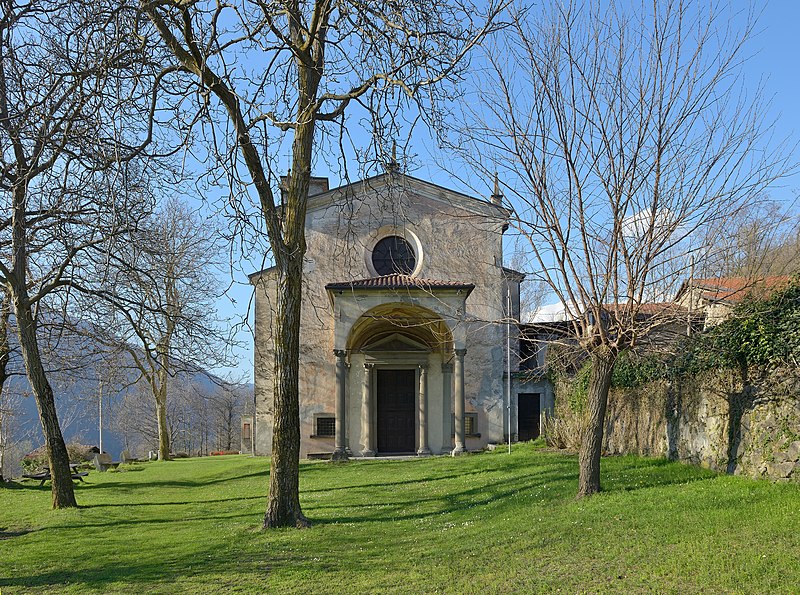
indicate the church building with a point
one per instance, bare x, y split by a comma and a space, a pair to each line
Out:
404, 325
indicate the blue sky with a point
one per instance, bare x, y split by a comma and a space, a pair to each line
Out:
774, 63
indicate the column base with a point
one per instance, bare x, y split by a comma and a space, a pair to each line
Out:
367, 453
458, 450
424, 452
339, 455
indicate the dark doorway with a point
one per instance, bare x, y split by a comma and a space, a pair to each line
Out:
396, 392
528, 416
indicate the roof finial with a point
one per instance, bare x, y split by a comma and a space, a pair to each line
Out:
393, 166
497, 195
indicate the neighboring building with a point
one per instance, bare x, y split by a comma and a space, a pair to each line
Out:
404, 323
714, 298
247, 434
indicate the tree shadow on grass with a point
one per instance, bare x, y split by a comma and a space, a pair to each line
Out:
625, 474
176, 503
101, 576
167, 520
386, 483
172, 483
5, 534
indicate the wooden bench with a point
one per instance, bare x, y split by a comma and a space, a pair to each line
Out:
45, 475
103, 462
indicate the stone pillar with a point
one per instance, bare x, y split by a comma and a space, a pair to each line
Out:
447, 407
340, 450
422, 410
460, 404
367, 449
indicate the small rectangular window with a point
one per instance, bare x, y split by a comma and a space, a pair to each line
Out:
470, 425
325, 426
246, 431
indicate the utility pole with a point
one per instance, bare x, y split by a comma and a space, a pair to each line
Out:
100, 420
508, 362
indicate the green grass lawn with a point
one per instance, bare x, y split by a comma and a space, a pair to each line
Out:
481, 523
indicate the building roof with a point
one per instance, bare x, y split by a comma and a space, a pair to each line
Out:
434, 191
513, 275
397, 281
733, 290
648, 308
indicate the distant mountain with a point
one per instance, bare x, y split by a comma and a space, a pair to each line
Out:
204, 410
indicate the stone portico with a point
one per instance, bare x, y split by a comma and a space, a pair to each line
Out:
410, 333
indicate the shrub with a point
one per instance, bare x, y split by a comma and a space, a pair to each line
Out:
566, 431
36, 460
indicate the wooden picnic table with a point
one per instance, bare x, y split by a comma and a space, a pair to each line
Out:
44, 476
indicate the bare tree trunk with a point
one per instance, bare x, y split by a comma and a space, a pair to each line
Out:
5, 356
161, 415
57, 456
283, 507
603, 360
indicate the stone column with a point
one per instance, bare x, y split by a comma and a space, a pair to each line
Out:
422, 410
340, 450
460, 402
367, 449
447, 407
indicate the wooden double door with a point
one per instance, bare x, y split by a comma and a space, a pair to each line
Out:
396, 396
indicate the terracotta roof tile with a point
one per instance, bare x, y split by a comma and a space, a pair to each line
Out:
735, 289
399, 282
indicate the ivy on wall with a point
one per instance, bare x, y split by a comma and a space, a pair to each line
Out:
758, 333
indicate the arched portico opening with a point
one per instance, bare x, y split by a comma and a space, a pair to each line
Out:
418, 325
404, 352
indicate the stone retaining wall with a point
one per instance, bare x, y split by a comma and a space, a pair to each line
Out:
721, 420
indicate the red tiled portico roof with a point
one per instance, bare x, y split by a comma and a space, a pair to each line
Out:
398, 282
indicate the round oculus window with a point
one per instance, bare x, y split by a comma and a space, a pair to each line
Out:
393, 255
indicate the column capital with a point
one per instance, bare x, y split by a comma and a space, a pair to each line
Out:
369, 365
461, 352
423, 367
340, 353
447, 368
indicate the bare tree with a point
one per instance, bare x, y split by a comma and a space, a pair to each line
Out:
761, 240
227, 406
623, 134
278, 74
63, 119
159, 302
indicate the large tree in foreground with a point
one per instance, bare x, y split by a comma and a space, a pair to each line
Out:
63, 118
275, 75
624, 135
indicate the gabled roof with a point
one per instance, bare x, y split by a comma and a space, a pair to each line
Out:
424, 187
732, 290
398, 282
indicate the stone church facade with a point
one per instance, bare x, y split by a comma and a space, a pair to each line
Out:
403, 334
